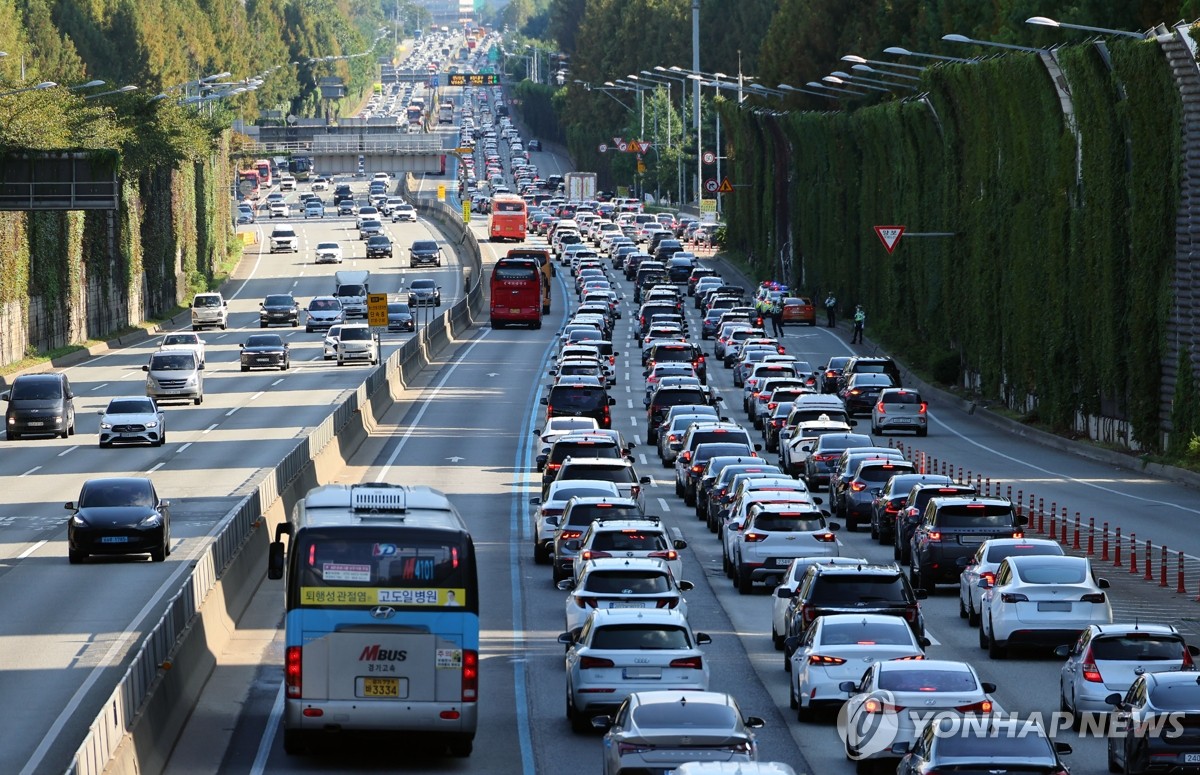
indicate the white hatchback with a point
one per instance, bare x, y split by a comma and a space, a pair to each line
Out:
983, 565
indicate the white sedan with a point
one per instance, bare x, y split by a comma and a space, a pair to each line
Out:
910, 691
835, 649
983, 565
1040, 600
404, 212
329, 253
134, 419
184, 340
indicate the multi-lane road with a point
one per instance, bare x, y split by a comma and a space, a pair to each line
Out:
66, 632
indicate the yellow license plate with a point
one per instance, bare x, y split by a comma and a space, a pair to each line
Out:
381, 687
514, 311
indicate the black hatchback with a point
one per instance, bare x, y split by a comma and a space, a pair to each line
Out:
580, 397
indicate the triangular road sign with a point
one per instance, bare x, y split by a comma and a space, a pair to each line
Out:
634, 146
889, 236
726, 187
618, 140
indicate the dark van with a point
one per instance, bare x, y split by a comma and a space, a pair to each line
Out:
580, 397
40, 404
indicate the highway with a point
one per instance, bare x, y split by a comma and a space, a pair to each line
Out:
469, 434
66, 632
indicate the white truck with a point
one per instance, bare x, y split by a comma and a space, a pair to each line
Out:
284, 238
351, 289
446, 113
580, 186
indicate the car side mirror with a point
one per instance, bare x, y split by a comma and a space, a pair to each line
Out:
69, 505
1062, 651
920, 594
566, 638
100, 412
758, 447
612, 401
535, 501
926, 643
900, 749
1194, 650
645, 480
276, 558
146, 368
988, 687
783, 593
1062, 749
646, 373
1022, 520
601, 722
541, 462
566, 585
679, 543
849, 687
1114, 700
552, 521
545, 401
962, 562
834, 527
983, 584
1103, 583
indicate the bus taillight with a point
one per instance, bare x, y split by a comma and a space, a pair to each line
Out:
291, 673
470, 675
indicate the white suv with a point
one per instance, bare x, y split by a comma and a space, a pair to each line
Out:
626, 538
209, 310
357, 343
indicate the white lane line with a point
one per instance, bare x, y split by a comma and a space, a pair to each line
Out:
637, 439
662, 502
231, 411
642, 458
33, 549
181, 449
932, 640
155, 467
221, 336
259, 393
276, 382
90, 390
630, 402
30, 471
68, 449
208, 429
633, 420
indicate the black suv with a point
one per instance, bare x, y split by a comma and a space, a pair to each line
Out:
671, 395
678, 352
580, 397
891, 500
379, 246
577, 445
860, 489
910, 514
955, 527
424, 251
869, 364
848, 589
280, 309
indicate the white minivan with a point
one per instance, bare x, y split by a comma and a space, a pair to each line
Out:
209, 310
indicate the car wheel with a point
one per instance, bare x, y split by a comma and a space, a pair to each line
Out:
581, 723
777, 641
159, 554
745, 582
972, 614
195, 328
294, 743
540, 555
161, 440
995, 650
103, 444
262, 325
803, 714
75, 557
224, 326
983, 641
245, 368
308, 329
875, 431
793, 703
198, 400
725, 566
1113, 766
962, 609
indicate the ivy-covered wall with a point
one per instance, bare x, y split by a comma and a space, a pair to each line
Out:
1054, 293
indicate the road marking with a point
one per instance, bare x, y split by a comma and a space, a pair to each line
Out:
276, 382
155, 467
663, 503
33, 549
642, 458
30, 471
208, 429
181, 449
259, 393
231, 411
932, 640
68, 449
633, 420
630, 402
90, 390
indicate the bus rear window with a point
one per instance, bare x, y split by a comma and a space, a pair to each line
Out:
515, 273
509, 207
366, 571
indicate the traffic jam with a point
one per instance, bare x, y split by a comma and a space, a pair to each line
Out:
788, 465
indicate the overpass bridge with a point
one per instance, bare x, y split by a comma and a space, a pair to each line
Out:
341, 154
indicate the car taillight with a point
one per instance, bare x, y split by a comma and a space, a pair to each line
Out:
470, 675
587, 602
818, 659
697, 468
808, 613
692, 663
635, 491
824, 537
588, 554
858, 486
588, 663
782, 350
879, 408
1093, 597
553, 466
549, 410
933, 536
667, 602
673, 437
1187, 660
569, 534
292, 672
910, 612
983, 706
669, 555
874, 705
989, 577
777, 422
685, 456
632, 748
892, 508
1013, 597
830, 374
823, 458
855, 392
698, 360
754, 538
1091, 673
772, 404
923, 408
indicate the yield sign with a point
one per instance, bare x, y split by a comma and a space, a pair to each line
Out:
889, 236
618, 140
726, 187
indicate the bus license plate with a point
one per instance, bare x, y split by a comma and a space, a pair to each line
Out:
386, 688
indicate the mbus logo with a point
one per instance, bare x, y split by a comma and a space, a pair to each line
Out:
376, 653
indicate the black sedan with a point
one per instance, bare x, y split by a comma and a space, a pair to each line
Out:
424, 251
118, 516
400, 317
379, 246
265, 351
278, 309
1004, 745
424, 293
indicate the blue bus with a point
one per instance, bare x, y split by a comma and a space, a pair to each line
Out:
382, 616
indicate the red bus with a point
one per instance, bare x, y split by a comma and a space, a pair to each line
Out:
507, 221
263, 168
542, 256
248, 184
516, 291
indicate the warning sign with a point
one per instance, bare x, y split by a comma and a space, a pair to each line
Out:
889, 236
726, 187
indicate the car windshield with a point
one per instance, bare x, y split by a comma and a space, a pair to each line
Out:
564, 449
927, 681
423, 285
177, 339
976, 515
851, 589
617, 474
36, 390
569, 424
684, 715
640, 637
357, 334
1055, 572
172, 362
608, 582
565, 493
279, 301
874, 474
206, 301
424, 246
789, 523
264, 340
101, 494
397, 308
866, 633
324, 304
130, 406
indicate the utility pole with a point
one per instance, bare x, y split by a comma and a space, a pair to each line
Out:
696, 97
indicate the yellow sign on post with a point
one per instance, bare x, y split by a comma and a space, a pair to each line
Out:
377, 310
441, 192
466, 212
708, 209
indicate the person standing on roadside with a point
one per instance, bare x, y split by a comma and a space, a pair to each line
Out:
860, 321
831, 309
777, 317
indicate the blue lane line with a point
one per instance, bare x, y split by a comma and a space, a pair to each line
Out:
516, 522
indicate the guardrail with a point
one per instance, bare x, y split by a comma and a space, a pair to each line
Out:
140, 721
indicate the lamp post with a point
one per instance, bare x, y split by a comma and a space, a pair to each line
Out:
121, 90
845, 82
664, 72
1043, 21
609, 85
956, 38
903, 52
859, 80
819, 85
857, 60
37, 87
869, 69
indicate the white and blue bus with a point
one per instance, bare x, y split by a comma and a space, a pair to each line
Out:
382, 621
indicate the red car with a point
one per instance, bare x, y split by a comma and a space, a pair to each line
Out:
799, 310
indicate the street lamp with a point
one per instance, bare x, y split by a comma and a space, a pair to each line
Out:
956, 38
87, 85
903, 52
122, 90
857, 79
1043, 21
869, 69
844, 82
819, 85
854, 59
38, 87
